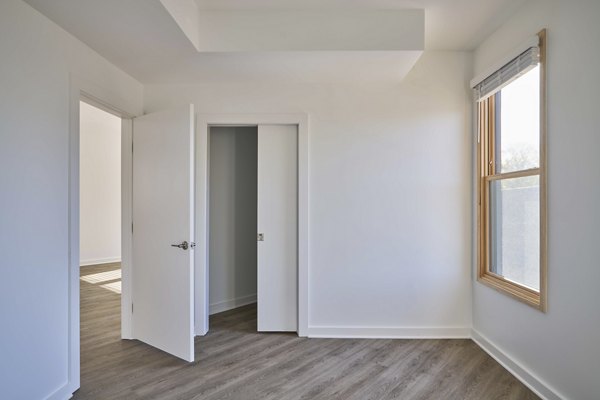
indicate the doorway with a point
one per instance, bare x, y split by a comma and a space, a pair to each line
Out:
296, 123
253, 222
101, 178
100, 225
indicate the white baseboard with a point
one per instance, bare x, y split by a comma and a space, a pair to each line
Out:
539, 387
96, 261
364, 332
231, 304
63, 393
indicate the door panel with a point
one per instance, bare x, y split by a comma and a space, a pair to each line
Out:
163, 194
278, 222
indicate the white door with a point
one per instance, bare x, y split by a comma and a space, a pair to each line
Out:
163, 199
278, 224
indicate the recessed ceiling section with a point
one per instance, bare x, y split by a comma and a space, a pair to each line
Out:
451, 24
299, 30
322, 41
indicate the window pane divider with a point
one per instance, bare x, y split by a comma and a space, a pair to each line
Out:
515, 174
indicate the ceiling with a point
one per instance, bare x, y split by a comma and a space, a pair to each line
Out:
141, 37
449, 24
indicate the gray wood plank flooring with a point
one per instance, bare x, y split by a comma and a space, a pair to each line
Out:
235, 362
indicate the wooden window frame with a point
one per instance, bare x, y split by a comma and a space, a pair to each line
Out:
486, 115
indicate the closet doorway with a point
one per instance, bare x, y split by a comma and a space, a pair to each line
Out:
253, 222
284, 137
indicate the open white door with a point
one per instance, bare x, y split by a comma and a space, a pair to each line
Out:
278, 224
163, 217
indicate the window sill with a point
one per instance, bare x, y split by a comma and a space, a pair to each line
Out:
514, 290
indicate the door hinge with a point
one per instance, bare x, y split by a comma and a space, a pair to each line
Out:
132, 227
132, 147
132, 308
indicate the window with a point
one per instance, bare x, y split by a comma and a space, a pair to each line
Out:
511, 178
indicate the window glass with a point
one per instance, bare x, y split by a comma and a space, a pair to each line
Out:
515, 230
517, 131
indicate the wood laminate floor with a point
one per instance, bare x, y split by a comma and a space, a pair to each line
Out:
235, 362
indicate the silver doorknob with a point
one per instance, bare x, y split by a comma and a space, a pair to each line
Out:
183, 245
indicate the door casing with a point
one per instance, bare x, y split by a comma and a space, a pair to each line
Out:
89, 92
203, 124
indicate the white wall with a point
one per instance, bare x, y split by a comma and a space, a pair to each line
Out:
389, 193
232, 219
560, 348
99, 186
38, 60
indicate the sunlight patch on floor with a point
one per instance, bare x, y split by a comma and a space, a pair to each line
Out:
102, 276
109, 280
113, 287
